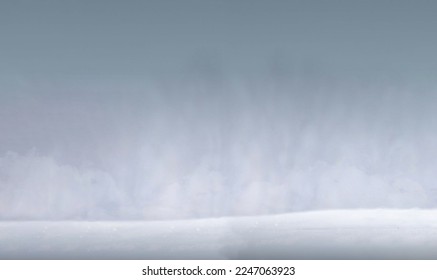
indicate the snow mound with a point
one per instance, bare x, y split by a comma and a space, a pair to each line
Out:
334, 234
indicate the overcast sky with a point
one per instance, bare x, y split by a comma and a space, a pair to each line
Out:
201, 108
120, 39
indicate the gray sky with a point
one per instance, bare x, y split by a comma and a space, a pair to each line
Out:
192, 109
119, 39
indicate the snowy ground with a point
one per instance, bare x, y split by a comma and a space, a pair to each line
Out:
336, 234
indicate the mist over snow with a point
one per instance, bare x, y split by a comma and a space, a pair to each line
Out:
207, 147
158, 109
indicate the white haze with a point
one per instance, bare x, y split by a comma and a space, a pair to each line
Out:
213, 146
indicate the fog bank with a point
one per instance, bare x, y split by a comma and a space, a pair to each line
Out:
165, 109
205, 147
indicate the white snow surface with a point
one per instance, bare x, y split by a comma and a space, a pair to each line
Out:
333, 234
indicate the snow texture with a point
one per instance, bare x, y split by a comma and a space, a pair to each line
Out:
334, 234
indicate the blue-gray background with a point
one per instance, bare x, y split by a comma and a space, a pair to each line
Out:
190, 109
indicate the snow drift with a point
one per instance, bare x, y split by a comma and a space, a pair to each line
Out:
335, 234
